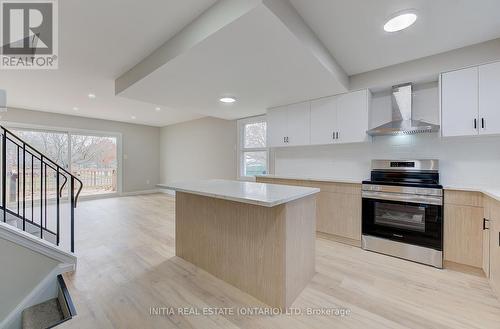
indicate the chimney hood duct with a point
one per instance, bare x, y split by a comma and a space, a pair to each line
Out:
402, 120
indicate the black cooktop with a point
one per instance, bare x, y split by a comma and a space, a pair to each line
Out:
407, 178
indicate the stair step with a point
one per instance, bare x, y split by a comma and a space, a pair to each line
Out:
43, 315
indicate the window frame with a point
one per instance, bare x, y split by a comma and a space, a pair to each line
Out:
241, 145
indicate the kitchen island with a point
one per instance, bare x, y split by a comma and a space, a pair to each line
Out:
258, 237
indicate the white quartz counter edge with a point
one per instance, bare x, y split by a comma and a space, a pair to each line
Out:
312, 179
256, 202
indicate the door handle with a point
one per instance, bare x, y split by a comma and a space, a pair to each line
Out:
337, 135
482, 123
475, 123
484, 224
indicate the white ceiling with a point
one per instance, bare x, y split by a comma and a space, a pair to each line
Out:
255, 59
352, 29
98, 41
101, 40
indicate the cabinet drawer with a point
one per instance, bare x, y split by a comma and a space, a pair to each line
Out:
464, 198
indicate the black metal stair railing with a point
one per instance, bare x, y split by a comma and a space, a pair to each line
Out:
33, 186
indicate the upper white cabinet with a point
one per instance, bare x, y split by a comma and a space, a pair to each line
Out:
336, 119
324, 120
489, 99
459, 102
353, 116
340, 119
289, 125
469, 101
277, 126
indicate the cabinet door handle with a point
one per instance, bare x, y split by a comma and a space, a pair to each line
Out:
475, 123
482, 123
337, 135
484, 224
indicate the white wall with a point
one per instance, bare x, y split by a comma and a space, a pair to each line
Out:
22, 270
198, 149
141, 144
428, 68
464, 161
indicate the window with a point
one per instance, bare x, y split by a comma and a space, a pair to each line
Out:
93, 158
253, 152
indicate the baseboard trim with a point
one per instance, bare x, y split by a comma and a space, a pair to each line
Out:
340, 239
37, 295
152, 191
449, 265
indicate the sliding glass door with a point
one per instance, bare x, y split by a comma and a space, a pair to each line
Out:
93, 158
94, 161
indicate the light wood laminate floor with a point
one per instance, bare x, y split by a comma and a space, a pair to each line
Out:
126, 265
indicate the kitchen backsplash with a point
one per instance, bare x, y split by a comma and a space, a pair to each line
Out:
464, 161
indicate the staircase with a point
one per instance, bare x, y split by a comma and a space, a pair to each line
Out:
38, 196
38, 201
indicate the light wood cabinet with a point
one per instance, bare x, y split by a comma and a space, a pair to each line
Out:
339, 214
494, 243
289, 125
463, 234
338, 208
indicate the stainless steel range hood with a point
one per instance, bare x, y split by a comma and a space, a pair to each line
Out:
402, 121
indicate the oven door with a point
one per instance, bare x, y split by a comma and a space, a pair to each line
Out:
413, 219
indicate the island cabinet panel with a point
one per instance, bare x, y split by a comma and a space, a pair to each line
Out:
338, 208
463, 228
267, 252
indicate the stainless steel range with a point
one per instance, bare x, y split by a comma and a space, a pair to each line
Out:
403, 210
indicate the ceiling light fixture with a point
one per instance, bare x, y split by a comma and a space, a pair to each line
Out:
133, 117
75, 108
92, 96
400, 21
227, 99
157, 109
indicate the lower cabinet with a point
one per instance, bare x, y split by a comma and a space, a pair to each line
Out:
339, 214
463, 234
338, 208
492, 214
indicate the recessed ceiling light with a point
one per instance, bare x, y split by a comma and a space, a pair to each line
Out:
157, 109
133, 117
227, 99
75, 108
400, 21
92, 96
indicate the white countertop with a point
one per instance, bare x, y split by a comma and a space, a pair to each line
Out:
492, 192
312, 179
261, 194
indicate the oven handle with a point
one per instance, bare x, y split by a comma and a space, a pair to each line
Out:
412, 198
